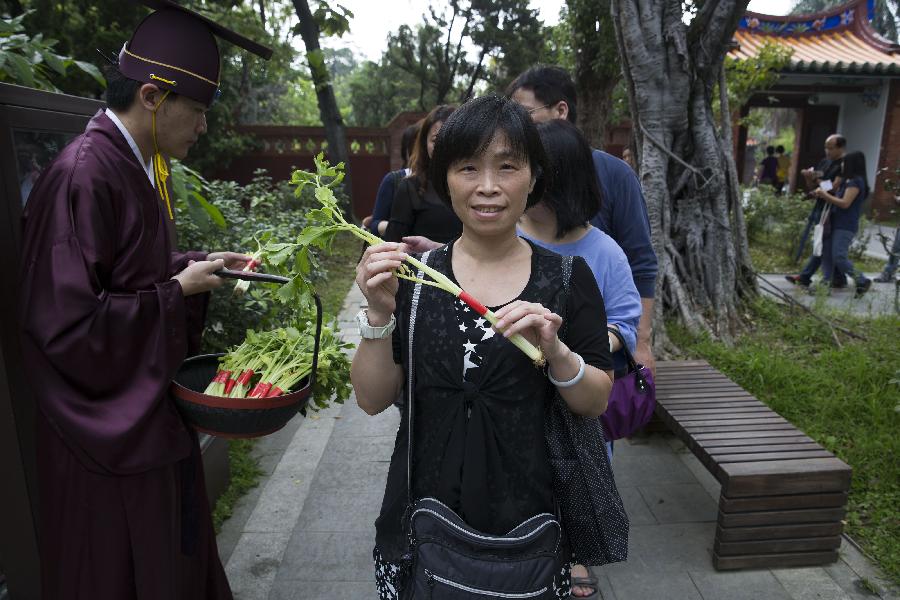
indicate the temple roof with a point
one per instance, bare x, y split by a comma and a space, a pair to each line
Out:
837, 41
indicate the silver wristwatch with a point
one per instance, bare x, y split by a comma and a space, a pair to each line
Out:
367, 332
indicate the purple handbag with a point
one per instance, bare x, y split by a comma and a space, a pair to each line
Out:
632, 400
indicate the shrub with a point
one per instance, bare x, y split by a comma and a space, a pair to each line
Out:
775, 220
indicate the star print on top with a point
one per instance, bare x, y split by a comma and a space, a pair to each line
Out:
477, 331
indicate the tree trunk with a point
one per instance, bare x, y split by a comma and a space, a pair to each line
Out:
476, 74
687, 169
262, 12
329, 113
594, 107
597, 68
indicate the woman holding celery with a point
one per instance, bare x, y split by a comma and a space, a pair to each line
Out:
480, 403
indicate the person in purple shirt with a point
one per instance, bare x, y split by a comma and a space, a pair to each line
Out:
109, 310
547, 92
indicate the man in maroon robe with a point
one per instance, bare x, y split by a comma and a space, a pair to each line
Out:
109, 311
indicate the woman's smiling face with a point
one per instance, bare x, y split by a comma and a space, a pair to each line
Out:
489, 192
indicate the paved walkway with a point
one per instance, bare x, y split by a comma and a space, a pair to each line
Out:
879, 300
307, 532
875, 247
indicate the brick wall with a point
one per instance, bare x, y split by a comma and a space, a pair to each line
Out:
889, 160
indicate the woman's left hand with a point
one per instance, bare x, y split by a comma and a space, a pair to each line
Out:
535, 323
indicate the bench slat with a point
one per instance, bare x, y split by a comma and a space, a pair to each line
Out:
721, 411
801, 476
833, 499
777, 546
739, 428
672, 405
813, 452
705, 438
716, 443
757, 561
761, 448
778, 532
750, 420
782, 517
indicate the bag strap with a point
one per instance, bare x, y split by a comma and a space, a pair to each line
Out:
633, 366
413, 309
564, 299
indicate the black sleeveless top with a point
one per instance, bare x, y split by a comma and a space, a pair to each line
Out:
480, 403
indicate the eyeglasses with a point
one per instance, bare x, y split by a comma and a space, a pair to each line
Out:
531, 111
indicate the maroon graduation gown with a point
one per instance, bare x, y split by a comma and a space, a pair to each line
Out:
123, 508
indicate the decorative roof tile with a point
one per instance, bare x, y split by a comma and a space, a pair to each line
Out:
839, 40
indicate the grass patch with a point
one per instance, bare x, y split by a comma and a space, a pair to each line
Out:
245, 474
847, 399
340, 266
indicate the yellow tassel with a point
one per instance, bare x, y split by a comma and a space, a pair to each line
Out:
160, 169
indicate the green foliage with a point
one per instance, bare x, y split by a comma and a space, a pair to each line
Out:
377, 92
775, 223
558, 43
332, 21
845, 398
505, 37
32, 61
594, 38
744, 78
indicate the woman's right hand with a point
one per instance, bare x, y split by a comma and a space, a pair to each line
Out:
375, 278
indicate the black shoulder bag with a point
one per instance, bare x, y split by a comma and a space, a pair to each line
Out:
592, 512
449, 560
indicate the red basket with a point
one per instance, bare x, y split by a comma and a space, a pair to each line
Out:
237, 417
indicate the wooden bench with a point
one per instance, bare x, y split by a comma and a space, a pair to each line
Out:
783, 495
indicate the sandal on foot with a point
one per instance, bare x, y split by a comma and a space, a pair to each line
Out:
585, 582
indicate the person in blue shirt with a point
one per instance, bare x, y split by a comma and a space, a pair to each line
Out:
561, 222
846, 206
547, 92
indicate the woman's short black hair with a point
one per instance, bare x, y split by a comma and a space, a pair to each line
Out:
469, 131
574, 194
855, 166
120, 90
770, 150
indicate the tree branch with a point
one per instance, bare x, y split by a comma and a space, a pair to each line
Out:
675, 157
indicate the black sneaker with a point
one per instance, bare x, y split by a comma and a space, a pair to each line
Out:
798, 280
862, 288
883, 279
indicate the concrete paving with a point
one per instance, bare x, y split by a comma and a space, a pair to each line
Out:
881, 299
875, 246
307, 533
